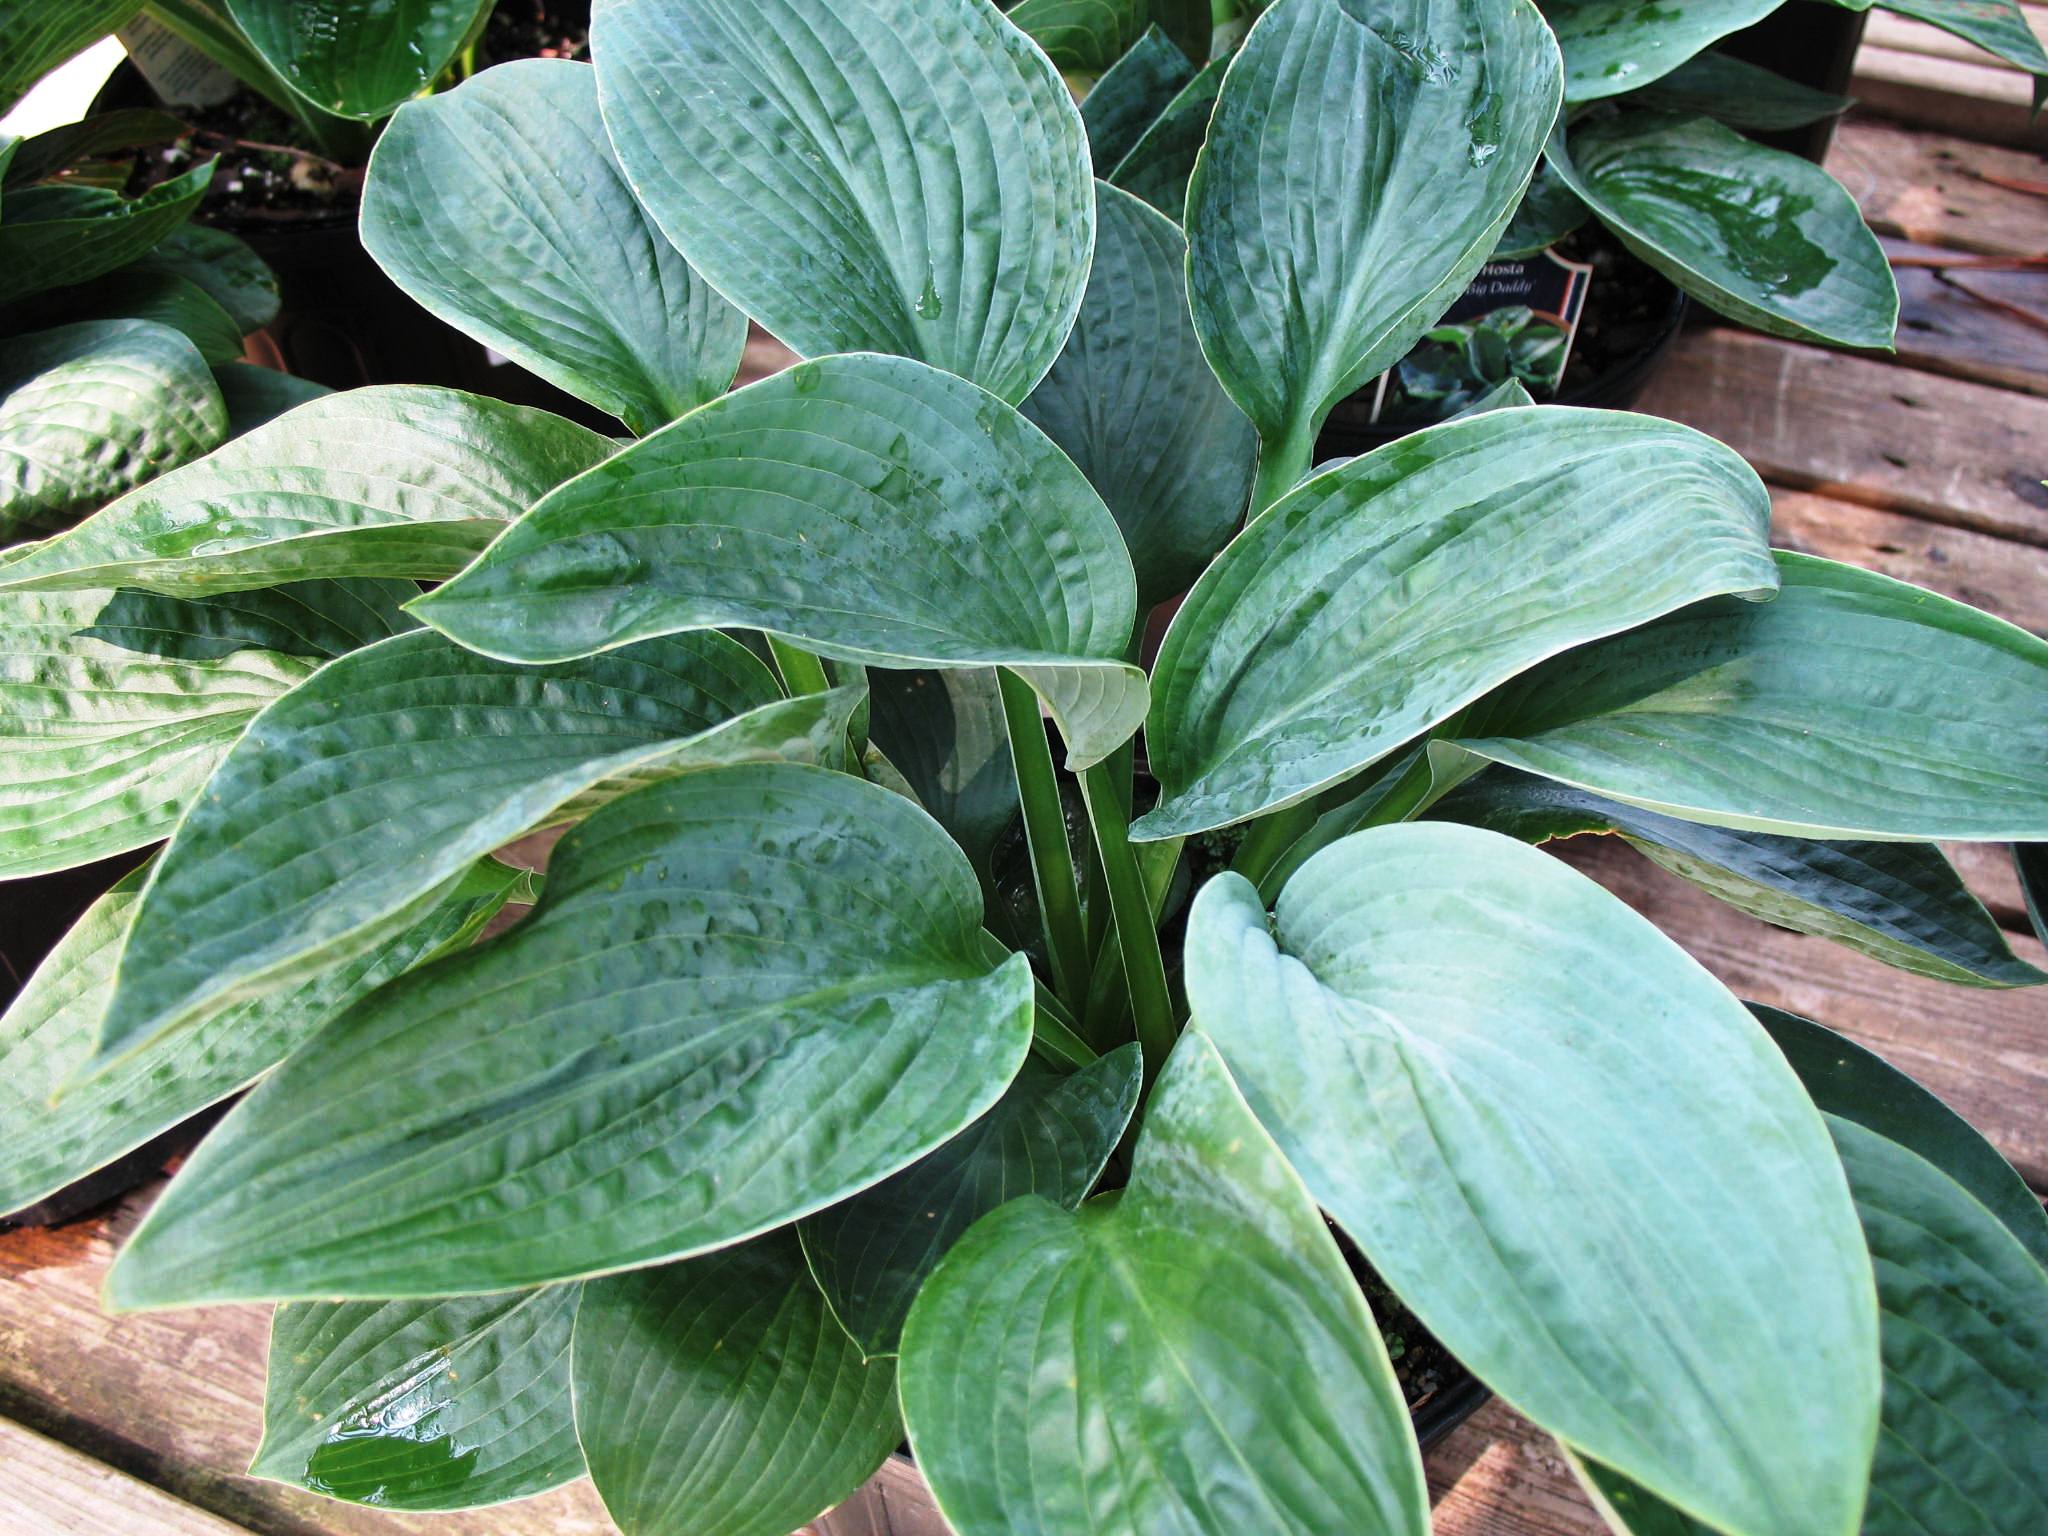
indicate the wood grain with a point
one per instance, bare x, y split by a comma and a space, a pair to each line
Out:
1981, 98
51, 1490
1945, 329
1929, 187
1956, 453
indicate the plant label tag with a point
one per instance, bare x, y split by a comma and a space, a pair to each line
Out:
1515, 320
180, 74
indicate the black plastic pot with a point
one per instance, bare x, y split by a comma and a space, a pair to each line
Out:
1812, 43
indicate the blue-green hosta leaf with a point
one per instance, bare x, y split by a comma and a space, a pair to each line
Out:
1740, 94
1964, 1320
232, 274
1084, 37
1846, 1081
1132, 403
1548, 212
944, 732
1851, 706
61, 1128
57, 235
1190, 1354
256, 395
1158, 165
1611, 46
1391, 140
1049, 1135
41, 34
905, 176
357, 60
1901, 903
359, 794
1570, 1152
89, 409
1131, 96
395, 480
422, 1405
717, 1397
746, 994
500, 207
164, 297
1760, 235
871, 508
115, 707
1379, 597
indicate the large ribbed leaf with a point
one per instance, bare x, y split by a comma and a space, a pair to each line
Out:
425, 1405
1131, 96
1134, 405
355, 59
1189, 1354
1611, 46
41, 34
89, 409
500, 207
717, 1397
944, 732
1049, 1135
395, 480
1740, 94
1571, 1153
1760, 235
872, 508
1850, 706
745, 995
114, 708
1381, 596
61, 1127
355, 797
1389, 142
1158, 165
234, 276
1901, 903
1964, 1308
55, 235
904, 176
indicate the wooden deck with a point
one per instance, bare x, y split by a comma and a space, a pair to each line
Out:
1927, 466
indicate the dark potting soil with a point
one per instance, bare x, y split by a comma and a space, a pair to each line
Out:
264, 178
1629, 307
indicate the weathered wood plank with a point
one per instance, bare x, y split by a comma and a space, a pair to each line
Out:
1930, 187
2002, 576
1984, 1052
1979, 98
52, 1490
1966, 455
1945, 329
1499, 1475
175, 1398
1908, 35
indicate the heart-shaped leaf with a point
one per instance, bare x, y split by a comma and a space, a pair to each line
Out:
1132, 403
115, 707
41, 34
89, 409
1049, 1135
354, 798
1190, 1354
422, 1405
871, 508
1611, 46
1740, 94
1383, 595
1394, 140
61, 1128
1157, 166
1851, 706
1443, 1028
746, 994
1760, 235
232, 274
357, 60
55, 235
718, 1398
1130, 97
905, 176
396, 480
500, 207
1901, 903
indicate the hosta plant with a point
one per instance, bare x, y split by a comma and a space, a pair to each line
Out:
777, 1132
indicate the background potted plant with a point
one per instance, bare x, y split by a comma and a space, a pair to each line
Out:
750, 1148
